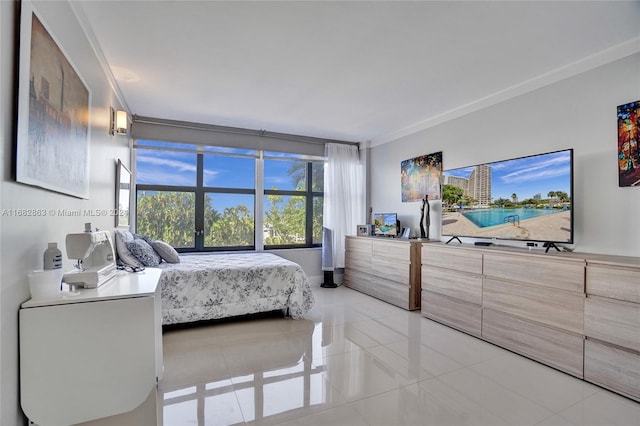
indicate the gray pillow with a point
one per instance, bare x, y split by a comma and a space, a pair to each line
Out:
144, 252
147, 239
166, 252
122, 238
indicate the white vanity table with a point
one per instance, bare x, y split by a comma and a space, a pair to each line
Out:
91, 355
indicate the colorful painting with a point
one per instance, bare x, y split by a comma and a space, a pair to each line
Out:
421, 176
53, 114
628, 154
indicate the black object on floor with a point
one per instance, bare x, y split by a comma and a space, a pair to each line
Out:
328, 280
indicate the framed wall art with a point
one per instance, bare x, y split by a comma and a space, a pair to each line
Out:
421, 176
628, 154
52, 147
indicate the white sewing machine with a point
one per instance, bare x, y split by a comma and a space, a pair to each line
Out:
96, 258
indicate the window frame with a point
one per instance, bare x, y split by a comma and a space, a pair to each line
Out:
200, 191
309, 195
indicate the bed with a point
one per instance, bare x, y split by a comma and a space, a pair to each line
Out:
213, 286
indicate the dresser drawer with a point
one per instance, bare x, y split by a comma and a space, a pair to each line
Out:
452, 258
614, 282
354, 278
612, 368
536, 269
551, 346
360, 263
454, 312
359, 246
556, 308
391, 269
458, 285
392, 250
613, 321
380, 288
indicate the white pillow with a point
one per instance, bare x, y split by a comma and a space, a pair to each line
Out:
166, 252
122, 238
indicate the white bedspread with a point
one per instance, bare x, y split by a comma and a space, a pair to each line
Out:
203, 287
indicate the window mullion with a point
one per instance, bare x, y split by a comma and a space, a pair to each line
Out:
309, 207
199, 204
258, 215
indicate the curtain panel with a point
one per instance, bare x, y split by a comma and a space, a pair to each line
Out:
344, 197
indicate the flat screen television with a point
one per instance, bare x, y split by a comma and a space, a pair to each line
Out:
525, 199
385, 224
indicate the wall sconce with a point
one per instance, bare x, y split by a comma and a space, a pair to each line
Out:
119, 122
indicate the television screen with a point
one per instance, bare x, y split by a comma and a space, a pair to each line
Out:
528, 198
385, 224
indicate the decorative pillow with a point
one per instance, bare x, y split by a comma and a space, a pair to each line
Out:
122, 238
166, 252
146, 239
144, 252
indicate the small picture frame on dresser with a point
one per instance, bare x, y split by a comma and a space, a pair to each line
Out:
363, 231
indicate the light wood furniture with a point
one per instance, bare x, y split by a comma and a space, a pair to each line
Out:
385, 268
579, 313
533, 304
91, 355
612, 324
529, 302
452, 287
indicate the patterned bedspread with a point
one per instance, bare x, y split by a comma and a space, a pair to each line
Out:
212, 286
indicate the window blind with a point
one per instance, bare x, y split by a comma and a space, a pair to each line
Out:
149, 128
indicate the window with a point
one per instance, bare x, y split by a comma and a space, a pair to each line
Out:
193, 198
203, 198
293, 200
229, 220
229, 200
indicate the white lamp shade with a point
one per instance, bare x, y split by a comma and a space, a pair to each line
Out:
121, 122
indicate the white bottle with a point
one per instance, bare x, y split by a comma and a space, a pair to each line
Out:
52, 257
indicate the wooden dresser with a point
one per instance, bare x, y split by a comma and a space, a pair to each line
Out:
509, 298
452, 287
533, 304
576, 312
385, 268
612, 324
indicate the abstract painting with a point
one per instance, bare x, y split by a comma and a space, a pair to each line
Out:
421, 176
628, 154
53, 114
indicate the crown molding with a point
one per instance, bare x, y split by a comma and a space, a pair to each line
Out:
93, 41
588, 63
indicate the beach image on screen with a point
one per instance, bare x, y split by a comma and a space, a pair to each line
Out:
528, 198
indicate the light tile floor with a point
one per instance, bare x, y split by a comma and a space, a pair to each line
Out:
356, 360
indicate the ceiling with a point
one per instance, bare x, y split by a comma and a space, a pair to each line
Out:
354, 71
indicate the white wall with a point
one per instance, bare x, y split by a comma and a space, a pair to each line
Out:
310, 259
578, 112
23, 239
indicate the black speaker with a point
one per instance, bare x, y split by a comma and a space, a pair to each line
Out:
328, 280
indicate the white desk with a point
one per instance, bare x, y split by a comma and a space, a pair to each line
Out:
92, 355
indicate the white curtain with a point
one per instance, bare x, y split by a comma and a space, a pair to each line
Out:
343, 196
